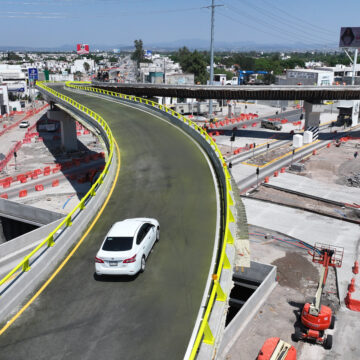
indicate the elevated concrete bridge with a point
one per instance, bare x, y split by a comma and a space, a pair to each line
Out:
246, 92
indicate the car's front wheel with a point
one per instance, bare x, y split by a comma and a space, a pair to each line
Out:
142, 265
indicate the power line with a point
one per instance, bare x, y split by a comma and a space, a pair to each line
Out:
276, 17
268, 26
318, 28
255, 28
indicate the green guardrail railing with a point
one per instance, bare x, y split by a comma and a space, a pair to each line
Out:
217, 294
25, 264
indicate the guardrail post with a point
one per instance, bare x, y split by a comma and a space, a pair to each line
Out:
93, 192
230, 216
26, 266
220, 295
229, 237
227, 264
230, 199
81, 205
68, 221
208, 336
51, 241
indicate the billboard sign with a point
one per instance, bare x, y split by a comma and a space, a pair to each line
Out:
33, 74
350, 37
82, 49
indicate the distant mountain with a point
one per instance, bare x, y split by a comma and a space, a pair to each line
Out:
192, 44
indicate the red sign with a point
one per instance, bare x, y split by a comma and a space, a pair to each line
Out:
82, 49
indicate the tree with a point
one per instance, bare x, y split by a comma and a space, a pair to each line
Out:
86, 66
138, 54
12, 56
229, 74
192, 62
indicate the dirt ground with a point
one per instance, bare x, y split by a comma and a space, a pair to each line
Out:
297, 278
320, 207
335, 164
48, 152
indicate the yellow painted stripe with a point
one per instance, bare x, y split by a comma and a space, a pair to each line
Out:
282, 156
64, 262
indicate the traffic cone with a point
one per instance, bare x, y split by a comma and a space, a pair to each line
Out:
351, 287
356, 267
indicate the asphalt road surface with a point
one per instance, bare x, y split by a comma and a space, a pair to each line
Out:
163, 175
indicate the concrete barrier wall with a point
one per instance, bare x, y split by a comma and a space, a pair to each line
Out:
248, 311
27, 213
13, 251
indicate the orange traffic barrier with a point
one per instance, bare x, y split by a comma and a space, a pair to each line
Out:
282, 170
39, 187
328, 145
23, 180
46, 172
55, 183
351, 303
266, 180
355, 268
34, 176
314, 152
55, 170
22, 193
4, 196
276, 173
6, 184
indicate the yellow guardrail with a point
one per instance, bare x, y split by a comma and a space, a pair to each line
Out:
24, 265
217, 294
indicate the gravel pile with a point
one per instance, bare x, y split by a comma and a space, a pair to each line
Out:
353, 180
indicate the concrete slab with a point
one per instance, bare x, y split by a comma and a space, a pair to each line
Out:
312, 187
310, 228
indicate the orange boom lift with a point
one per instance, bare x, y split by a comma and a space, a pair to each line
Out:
316, 318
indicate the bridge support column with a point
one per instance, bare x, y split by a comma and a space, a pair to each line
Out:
312, 117
68, 129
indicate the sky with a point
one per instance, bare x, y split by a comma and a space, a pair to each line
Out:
53, 23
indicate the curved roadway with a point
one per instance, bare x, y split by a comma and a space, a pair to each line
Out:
163, 175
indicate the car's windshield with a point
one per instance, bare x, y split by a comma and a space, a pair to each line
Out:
117, 243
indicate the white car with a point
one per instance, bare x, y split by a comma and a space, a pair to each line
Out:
24, 124
126, 247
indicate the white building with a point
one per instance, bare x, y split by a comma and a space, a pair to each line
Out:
308, 77
4, 100
79, 65
13, 77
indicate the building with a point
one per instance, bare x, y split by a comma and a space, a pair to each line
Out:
343, 73
14, 77
317, 77
78, 65
4, 99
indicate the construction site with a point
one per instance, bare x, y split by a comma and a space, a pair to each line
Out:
303, 217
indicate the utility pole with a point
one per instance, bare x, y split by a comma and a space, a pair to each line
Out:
212, 6
354, 67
